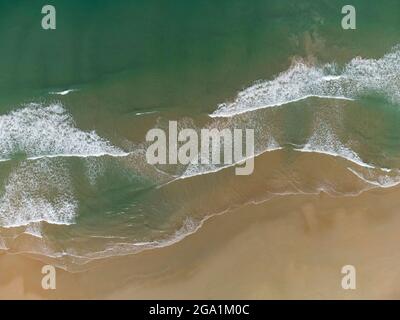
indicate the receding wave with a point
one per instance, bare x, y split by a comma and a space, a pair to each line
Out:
358, 77
271, 181
382, 180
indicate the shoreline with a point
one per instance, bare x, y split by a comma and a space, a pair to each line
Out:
285, 248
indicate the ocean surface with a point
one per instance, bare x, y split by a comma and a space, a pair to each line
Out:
76, 104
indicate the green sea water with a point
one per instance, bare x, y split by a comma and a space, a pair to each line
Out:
73, 173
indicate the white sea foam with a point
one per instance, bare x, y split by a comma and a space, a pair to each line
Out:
189, 227
48, 131
360, 76
325, 141
193, 170
198, 169
144, 113
63, 93
37, 191
272, 144
329, 78
40, 189
378, 180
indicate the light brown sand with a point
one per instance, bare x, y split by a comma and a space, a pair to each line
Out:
288, 247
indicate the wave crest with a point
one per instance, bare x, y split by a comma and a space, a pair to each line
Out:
301, 81
37, 130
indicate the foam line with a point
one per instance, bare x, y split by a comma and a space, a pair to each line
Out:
301, 81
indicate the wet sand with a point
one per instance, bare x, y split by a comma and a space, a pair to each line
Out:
288, 247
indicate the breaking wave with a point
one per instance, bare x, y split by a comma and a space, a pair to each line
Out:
357, 78
48, 131
37, 191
